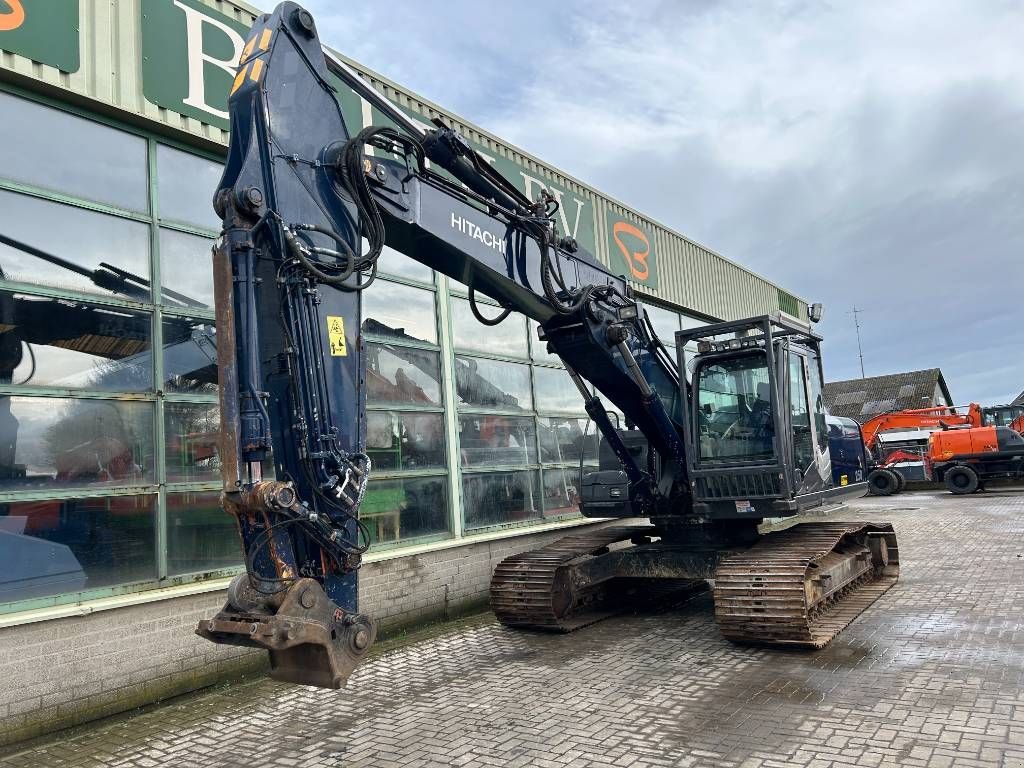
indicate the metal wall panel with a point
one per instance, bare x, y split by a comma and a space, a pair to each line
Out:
689, 275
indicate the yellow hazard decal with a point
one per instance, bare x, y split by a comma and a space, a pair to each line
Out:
336, 335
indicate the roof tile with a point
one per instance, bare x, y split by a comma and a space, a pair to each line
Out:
861, 399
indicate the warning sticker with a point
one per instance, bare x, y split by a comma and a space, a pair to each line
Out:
336, 335
743, 506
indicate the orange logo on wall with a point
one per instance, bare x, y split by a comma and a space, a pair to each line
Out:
13, 18
636, 259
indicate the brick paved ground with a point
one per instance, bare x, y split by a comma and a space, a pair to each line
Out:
932, 675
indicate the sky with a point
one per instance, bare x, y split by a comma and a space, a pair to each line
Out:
857, 154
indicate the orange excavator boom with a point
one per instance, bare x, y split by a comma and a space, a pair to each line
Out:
938, 416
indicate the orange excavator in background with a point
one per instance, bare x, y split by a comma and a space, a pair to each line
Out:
883, 479
962, 446
964, 459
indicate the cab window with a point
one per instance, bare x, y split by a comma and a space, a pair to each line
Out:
734, 410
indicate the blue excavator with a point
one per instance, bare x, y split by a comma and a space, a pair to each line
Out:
704, 458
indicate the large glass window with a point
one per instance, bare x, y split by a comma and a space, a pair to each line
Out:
86, 251
486, 439
399, 312
186, 269
200, 535
734, 409
48, 442
191, 432
665, 322
567, 440
65, 153
402, 375
63, 546
392, 262
396, 440
190, 355
507, 339
561, 492
406, 508
493, 384
83, 319
556, 391
500, 498
74, 344
181, 177
405, 427
519, 429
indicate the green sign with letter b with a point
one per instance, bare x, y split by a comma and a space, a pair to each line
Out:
189, 56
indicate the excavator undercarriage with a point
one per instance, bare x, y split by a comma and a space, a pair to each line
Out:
800, 586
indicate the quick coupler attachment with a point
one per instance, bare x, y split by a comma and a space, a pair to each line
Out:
310, 639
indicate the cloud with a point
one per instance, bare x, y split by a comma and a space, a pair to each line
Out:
855, 153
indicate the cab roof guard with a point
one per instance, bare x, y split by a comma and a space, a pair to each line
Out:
776, 324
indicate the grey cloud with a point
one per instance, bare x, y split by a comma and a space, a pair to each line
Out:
854, 153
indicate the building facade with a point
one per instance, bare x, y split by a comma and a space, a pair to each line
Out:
113, 130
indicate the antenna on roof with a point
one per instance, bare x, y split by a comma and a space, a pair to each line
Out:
860, 351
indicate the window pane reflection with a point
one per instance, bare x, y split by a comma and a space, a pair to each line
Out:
55, 442
392, 262
507, 338
400, 312
405, 440
555, 391
562, 441
190, 355
485, 439
539, 349
498, 498
62, 546
186, 269
561, 492
94, 252
186, 185
493, 384
99, 163
200, 535
73, 344
405, 509
191, 431
665, 323
402, 375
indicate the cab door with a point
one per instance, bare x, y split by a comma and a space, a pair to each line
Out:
809, 433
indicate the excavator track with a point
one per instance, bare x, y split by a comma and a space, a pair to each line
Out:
540, 589
803, 586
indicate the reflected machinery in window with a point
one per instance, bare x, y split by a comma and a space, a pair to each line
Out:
407, 498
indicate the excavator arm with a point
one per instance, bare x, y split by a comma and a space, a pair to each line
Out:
299, 197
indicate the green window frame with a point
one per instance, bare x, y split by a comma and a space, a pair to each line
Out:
159, 487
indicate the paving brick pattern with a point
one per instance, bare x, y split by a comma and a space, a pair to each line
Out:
932, 675
63, 672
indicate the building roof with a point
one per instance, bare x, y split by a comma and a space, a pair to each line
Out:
1019, 400
861, 399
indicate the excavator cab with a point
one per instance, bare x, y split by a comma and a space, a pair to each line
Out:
757, 442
